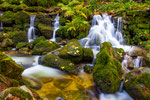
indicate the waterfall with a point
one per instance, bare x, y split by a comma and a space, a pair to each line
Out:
56, 27
103, 30
31, 30
1, 23
138, 62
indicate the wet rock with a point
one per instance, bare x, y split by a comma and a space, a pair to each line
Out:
9, 68
72, 51
130, 63
119, 53
88, 55
55, 61
62, 83
137, 83
44, 47
23, 50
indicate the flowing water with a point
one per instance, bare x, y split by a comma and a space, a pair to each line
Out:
1, 23
56, 27
103, 30
138, 62
31, 30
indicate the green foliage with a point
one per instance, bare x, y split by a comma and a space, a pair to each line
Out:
74, 18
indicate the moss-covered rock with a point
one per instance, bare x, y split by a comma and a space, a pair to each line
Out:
35, 9
88, 55
44, 47
15, 92
9, 68
55, 61
107, 70
88, 69
72, 51
16, 36
20, 7
5, 6
20, 45
137, 84
45, 30
7, 42
146, 60
119, 53
23, 50
37, 40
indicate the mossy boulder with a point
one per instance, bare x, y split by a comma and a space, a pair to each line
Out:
146, 60
72, 51
137, 84
7, 42
16, 36
44, 47
20, 45
55, 61
88, 55
88, 69
20, 7
5, 6
23, 50
9, 68
35, 9
15, 92
37, 40
107, 70
46, 31
119, 53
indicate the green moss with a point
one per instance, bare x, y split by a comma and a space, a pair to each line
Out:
45, 30
137, 84
119, 53
20, 7
9, 68
88, 55
44, 47
37, 40
106, 78
55, 61
17, 92
5, 6
7, 42
72, 51
35, 9
20, 45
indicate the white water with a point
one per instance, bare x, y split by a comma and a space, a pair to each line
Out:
1, 23
56, 27
138, 62
103, 30
31, 30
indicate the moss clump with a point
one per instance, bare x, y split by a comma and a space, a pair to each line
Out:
55, 61
37, 40
35, 9
137, 84
44, 47
88, 55
72, 51
20, 7
9, 68
45, 30
5, 6
20, 45
16, 92
119, 53
7, 42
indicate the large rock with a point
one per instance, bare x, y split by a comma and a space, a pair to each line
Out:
7, 42
9, 68
107, 70
72, 51
44, 47
55, 61
46, 31
88, 55
137, 84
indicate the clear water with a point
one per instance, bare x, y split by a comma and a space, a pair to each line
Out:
56, 27
31, 30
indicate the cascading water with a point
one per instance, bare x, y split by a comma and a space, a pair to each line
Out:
56, 27
102, 30
138, 62
1, 23
31, 30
